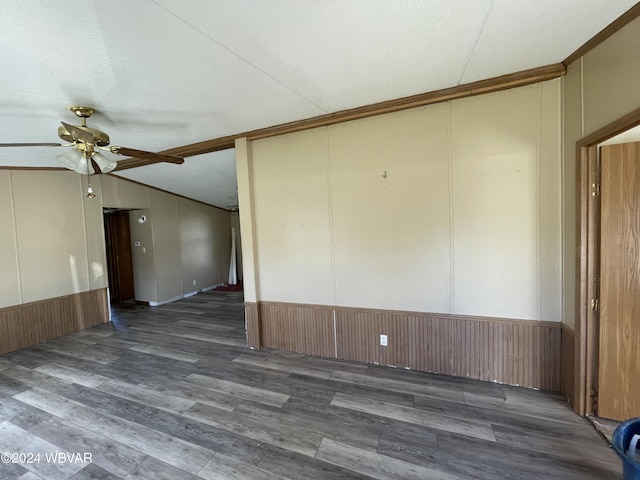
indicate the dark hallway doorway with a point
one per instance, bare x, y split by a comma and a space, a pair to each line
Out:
119, 256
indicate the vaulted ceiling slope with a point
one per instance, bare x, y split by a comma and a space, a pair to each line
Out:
167, 73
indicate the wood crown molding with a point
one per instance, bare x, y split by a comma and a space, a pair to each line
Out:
59, 169
622, 124
495, 84
615, 26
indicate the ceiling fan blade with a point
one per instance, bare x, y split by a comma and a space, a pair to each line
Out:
154, 157
78, 134
30, 144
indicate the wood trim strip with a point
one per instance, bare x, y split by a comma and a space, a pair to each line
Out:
615, 26
59, 169
630, 120
30, 323
253, 325
516, 352
567, 364
581, 302
495, 84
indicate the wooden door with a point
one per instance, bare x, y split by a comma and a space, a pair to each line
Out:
119, 257
619, 351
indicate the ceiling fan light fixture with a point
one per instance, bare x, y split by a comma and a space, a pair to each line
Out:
76, 160
105, 164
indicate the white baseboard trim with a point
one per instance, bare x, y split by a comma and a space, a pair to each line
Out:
186, 295
168, 300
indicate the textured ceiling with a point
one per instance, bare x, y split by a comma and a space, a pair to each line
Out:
167, 73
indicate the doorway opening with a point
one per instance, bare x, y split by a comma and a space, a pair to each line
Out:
119, 255
597, 344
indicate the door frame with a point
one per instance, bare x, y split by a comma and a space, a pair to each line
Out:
587, 259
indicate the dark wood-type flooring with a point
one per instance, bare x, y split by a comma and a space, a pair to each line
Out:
172, 393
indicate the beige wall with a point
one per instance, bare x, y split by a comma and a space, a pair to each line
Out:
205, 245
466, 220
51, 234
52, 240
10, 292
146, 280
163, 218
598, 89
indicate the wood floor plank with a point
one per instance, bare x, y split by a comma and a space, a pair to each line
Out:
299, 467
32, 378
59, 406
360, 434
113, 457
522, 463
221, 467
14, 439
273, 433
376, 465
4, 364
153, 469
283, 365
81, 351
21, 414
146, 396
532, 408
166, 353
469, 427
183, 455
189, 391
72, 375
399, 386
239, 390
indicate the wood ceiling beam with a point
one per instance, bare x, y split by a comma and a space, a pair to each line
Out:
495, 84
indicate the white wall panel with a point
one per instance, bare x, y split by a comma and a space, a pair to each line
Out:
119, 193
292, 218
94, 227
166, 244
199, 241
392, 236
550, 201
52, 249
143, 257
495, 169
9, 274
466, 221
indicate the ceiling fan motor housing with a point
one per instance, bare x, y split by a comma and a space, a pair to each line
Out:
101, 138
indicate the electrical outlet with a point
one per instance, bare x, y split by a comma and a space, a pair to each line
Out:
383, 340
194, 283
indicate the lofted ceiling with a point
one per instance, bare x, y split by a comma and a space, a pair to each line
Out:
167, 73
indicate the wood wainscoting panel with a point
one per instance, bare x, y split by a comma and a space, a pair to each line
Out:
513, 352
298, 328
509, 351
253, 325
567, 364
31, 323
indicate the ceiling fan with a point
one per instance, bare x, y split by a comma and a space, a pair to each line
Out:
87, 141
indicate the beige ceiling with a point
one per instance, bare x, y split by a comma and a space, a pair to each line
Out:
166, 73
